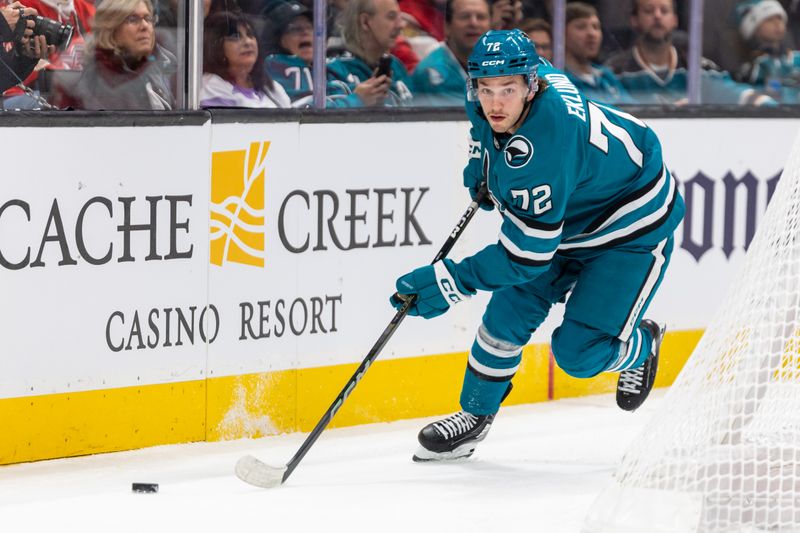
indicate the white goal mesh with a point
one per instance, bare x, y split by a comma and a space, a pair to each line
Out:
724, 454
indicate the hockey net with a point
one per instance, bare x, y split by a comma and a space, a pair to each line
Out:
724, 454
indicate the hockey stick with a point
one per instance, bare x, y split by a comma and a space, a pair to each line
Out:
251, 470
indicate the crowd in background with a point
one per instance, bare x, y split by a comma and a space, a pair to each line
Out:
258, 53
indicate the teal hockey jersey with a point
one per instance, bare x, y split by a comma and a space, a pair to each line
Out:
577, 177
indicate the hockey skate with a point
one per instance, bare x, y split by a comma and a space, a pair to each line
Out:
633, 386
454, 437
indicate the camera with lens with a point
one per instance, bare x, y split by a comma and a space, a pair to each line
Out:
56, 33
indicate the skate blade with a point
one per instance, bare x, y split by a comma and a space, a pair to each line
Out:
424, 455
252, 471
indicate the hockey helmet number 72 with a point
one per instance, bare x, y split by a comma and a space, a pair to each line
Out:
502, 53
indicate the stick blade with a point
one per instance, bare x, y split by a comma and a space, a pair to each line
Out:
252, 471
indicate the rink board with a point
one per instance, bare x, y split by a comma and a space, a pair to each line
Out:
226, 283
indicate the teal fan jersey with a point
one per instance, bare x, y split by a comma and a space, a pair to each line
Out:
439, 79
777, 74
294, 74
576, 177
601, 86
351, 70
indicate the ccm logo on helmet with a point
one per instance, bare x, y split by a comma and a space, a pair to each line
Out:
493, 62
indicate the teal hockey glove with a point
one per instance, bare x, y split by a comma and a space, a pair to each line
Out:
436, 286
473, 183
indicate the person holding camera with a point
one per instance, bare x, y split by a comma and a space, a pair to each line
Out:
17, 25
68, 22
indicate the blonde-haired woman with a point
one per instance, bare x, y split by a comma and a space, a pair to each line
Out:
124, 68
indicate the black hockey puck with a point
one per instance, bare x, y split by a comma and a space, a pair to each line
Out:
145, 487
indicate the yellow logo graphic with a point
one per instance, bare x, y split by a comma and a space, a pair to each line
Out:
237, 206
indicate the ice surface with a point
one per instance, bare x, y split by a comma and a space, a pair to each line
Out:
539, 470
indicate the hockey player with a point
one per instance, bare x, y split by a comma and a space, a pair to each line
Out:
587, 208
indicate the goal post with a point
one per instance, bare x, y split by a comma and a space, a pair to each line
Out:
723, 454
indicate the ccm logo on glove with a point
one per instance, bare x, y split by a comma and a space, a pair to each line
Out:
448, 285
436, 287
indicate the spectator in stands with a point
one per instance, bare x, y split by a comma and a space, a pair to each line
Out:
80, 15
124, 67
289, 44
772, 68
506, 14
288, 39
234, 75
21, 59
722, 40
540, 32
440, 79
654, 71
369, 28
583, 38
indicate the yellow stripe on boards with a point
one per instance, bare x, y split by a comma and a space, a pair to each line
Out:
256, 405
81, 423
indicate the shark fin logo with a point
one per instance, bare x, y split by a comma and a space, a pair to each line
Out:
518, 152
237, 206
